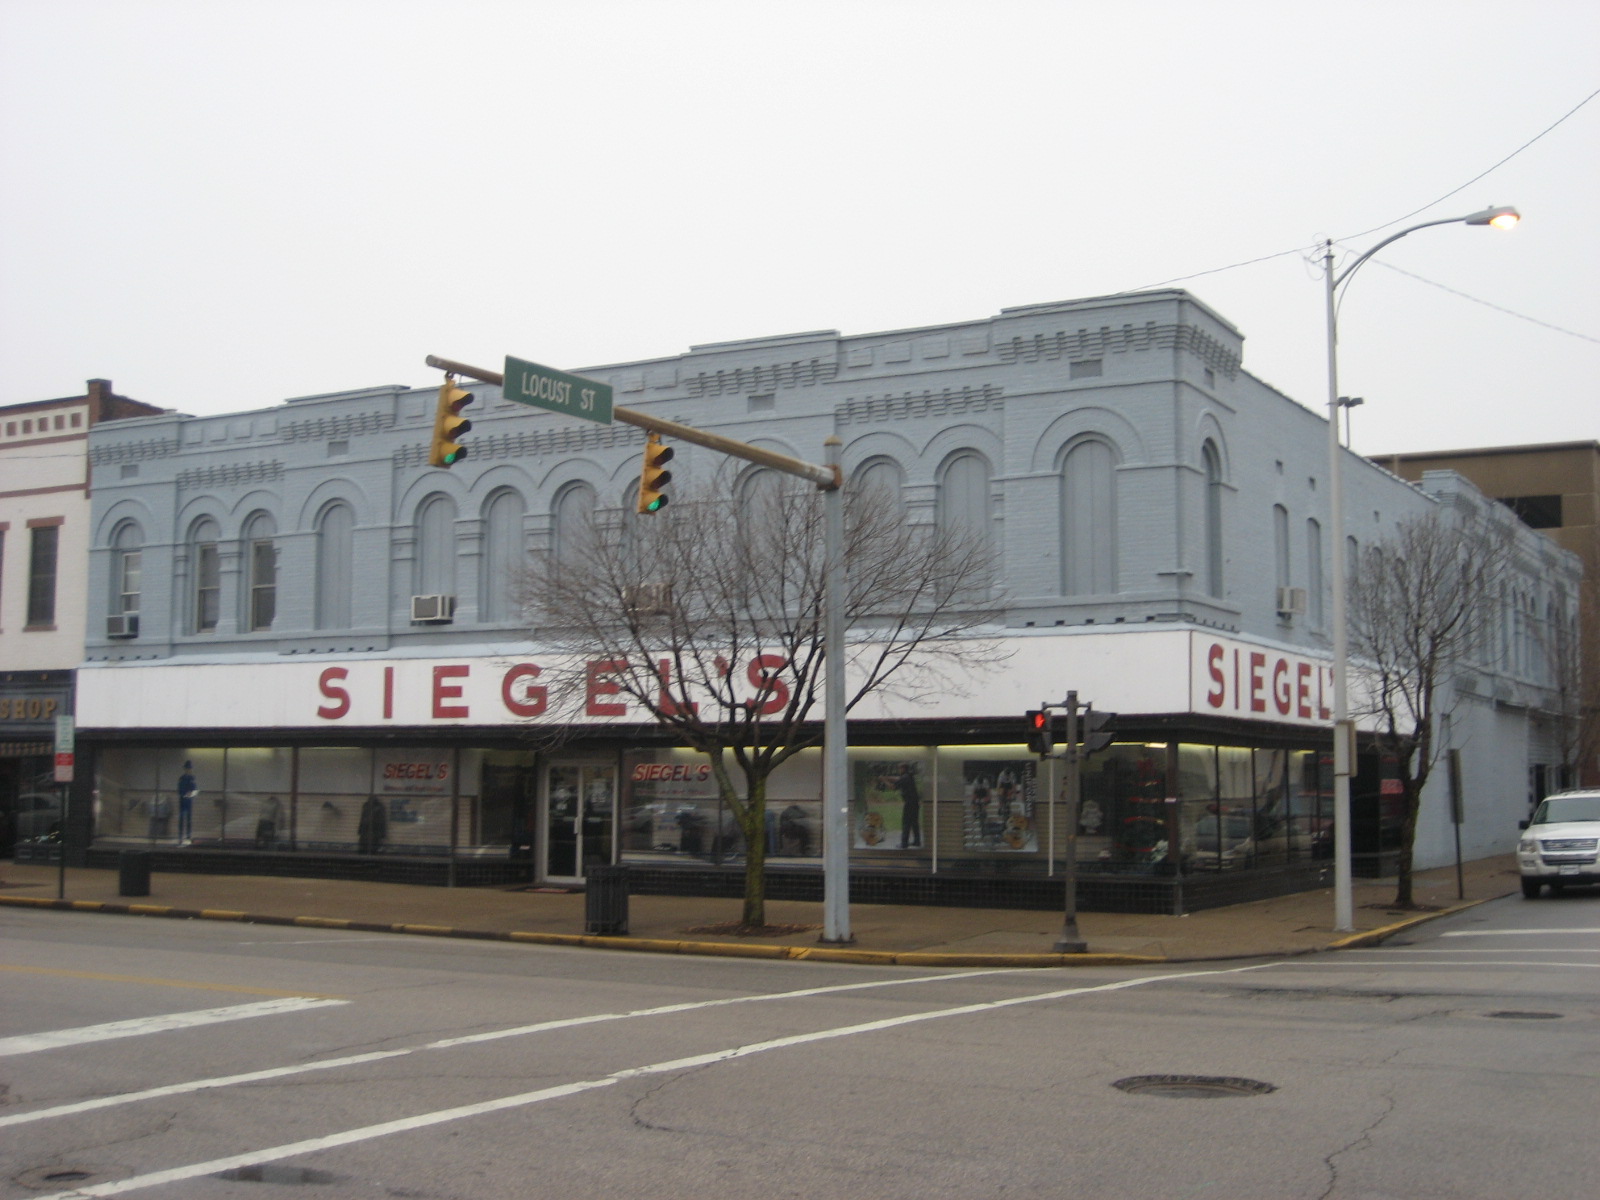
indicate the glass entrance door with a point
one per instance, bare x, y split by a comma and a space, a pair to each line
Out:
580, 807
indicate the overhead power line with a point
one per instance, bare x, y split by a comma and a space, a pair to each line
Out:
1301, 250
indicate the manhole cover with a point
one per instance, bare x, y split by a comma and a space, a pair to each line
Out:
1514, 1015
1193, 1087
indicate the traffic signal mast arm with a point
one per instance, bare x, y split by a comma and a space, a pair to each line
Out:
826, 478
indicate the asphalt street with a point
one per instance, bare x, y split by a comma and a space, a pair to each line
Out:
211, 1059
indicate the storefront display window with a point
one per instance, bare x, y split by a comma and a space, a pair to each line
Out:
1127, 784
991, 804
671, 809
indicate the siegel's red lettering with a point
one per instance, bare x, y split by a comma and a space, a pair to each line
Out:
600, 686
443, 691
1213, 663
666, 701
1282, 696
328, 682
519, 700
1302, 679
1258, 664
762, 675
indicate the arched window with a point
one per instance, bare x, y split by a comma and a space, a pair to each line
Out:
1280, 545
572, 524
206, 563
336, 525
759, 494
880, 481
436, 547
502, 556
127, 552
1089, 520
261, 567
1314, 572
963, 499
1212, 464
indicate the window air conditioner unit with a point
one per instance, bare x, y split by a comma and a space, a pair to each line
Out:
1291, 601
648, 599
437, 610
123, 625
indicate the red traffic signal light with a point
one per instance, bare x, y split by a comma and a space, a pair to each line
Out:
1040, 738
653, 475
449, 424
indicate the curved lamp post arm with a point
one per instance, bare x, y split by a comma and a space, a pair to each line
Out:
1503, 218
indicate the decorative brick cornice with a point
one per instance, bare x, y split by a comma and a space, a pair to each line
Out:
123, 452
533, 443
230, 475
742, 381
1095, 343
322, 429
877, 410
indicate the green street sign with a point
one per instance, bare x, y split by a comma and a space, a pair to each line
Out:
545, 387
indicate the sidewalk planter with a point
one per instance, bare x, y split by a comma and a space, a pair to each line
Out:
605, 902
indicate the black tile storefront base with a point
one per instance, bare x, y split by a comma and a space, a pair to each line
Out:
1098, 891
371, 868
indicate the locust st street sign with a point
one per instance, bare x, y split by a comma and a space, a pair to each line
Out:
545, 387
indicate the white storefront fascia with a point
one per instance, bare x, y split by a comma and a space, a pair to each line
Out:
1136, 671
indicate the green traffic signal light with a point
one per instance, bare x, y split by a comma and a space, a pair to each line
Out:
449, 425
653, 475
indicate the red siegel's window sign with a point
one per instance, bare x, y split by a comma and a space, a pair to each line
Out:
520, 694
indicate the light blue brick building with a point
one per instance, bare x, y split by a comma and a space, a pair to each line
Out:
1158, 517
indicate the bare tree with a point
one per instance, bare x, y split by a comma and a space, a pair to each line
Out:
1421, 605
708, 616
1574, 687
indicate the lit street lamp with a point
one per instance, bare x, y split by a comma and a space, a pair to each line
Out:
1343, 728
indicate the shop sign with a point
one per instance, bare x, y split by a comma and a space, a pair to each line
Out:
1244, 679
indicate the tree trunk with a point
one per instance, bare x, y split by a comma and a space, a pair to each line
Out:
1408, 836
755, 855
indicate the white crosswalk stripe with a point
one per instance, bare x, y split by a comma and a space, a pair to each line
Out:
32, 1043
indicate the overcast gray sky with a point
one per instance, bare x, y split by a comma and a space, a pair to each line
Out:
222, 204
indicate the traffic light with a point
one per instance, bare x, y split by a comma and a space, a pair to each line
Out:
449, 424
1094, 731
654, 476
1040, 738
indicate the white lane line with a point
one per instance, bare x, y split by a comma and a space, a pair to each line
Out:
424, 1120
33, 1042
1496, 950
222, 1081
1516, 932
1367, 964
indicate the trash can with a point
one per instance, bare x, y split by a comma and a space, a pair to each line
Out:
605, 900
133, 867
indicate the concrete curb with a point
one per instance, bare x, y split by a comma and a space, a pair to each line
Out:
833, 954
1373, 937
592, 941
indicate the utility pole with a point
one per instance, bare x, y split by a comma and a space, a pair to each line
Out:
1070, 941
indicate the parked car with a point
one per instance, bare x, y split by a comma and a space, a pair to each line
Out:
1560, 844
38, 817
1246, 840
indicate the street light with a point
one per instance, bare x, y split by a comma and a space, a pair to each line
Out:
1344, 738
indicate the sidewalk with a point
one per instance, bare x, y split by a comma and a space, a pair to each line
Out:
910, 934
